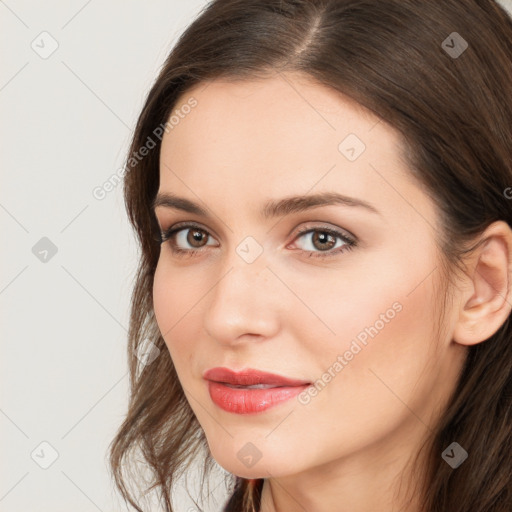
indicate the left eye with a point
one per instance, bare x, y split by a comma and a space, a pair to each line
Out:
317, 236
325, 237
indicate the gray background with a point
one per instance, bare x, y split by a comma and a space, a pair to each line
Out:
66, 122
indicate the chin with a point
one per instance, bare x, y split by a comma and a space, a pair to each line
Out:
240, 464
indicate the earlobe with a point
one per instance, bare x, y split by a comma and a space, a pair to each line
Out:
486, 303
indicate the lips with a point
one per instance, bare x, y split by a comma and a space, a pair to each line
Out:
250, 377
250, 391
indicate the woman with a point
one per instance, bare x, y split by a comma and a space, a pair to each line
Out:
321, 190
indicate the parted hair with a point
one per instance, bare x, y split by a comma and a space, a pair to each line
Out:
405, 61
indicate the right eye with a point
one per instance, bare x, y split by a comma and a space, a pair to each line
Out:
184, 234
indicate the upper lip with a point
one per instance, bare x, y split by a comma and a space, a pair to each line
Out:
249, 377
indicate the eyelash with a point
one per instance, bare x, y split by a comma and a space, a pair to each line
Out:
350, 243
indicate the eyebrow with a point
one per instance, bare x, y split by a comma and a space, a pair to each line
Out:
272, 208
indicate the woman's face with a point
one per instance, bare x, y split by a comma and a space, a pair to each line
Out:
359, 320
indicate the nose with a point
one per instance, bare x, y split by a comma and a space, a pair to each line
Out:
245, 304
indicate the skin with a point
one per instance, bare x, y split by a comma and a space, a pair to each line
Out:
285, 313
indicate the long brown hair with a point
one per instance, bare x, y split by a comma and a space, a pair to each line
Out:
438, 72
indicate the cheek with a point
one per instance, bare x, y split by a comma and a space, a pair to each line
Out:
374, 295
386, 373
381, 321
164, 291
178, 312
174, 293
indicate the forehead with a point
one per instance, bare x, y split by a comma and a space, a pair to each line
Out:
288, 111
278, 136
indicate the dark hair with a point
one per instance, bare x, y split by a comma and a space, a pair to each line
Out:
404, 61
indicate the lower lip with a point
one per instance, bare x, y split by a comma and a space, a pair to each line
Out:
250, 401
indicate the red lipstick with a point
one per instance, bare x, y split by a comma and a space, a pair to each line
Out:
250, 391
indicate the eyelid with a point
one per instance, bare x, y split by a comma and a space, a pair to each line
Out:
349, 240
180, 225
345, 232
310, 226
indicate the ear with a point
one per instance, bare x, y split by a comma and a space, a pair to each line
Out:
486, 295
